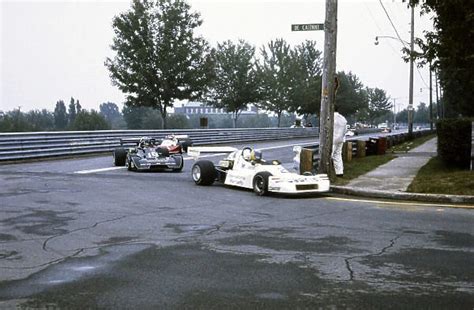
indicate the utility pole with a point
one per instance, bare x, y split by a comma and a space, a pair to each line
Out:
328, 93
438, 108
431, 100
410, 93
394, 113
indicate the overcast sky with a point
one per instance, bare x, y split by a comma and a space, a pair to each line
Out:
52, 50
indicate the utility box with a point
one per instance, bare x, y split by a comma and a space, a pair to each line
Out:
371, 147
381, 145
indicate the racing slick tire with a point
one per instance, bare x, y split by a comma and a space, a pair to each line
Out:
204, 172
120, 156
260, 183
179, 159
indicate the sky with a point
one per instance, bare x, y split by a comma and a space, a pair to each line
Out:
55, 50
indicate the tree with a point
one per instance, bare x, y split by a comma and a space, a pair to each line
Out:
379, 104
142, 118
422, 114
60, 116
72, 111
40, 120
275, 74
351, 96
89, 121
158, 57
305, 95
110, 111
235, 84
450, 48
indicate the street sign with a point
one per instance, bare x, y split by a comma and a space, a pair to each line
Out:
307, 27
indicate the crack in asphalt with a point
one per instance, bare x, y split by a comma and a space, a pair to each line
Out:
58, 260
218, 227
381, 252
80, 229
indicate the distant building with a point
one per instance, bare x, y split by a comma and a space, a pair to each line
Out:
200, 108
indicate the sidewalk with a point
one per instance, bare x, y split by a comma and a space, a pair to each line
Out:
392, 179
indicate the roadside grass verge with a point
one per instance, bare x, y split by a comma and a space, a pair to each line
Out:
436, 178
408, 145
359, 166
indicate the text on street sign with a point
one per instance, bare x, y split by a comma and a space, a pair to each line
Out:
307, 27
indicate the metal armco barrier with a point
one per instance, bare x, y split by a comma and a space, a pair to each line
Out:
33, 145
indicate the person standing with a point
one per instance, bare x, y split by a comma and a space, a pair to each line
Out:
339, 134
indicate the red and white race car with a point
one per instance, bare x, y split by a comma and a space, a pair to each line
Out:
152, 154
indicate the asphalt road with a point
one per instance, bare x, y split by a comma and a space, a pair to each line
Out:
83, 234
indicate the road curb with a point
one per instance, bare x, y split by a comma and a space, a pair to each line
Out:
347, 190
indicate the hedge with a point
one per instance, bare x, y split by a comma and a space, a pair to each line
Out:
454, 141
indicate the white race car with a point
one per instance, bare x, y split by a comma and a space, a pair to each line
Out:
246, 168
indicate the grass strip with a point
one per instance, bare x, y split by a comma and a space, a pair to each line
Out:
408, 145
359, 166
436, 178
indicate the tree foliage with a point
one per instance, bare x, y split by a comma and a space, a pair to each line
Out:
275, 74
86, 120
450, 47
158, 57
351, 96
235, 84
305, 95
60, 116
110, 111
379, 104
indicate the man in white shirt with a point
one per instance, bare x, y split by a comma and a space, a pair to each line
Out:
340, 127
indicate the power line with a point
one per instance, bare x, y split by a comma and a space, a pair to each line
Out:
391, 22
380, 29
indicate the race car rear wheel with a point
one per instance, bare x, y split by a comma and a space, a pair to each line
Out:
180, 161
119, 155
260, 183
204, 172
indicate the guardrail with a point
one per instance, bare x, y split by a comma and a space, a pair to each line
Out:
34, 145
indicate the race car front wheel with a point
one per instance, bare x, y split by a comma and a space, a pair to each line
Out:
180, 163
260, 183
204, 172
120, 155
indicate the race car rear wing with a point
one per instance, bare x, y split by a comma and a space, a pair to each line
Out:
196, 151
136, 140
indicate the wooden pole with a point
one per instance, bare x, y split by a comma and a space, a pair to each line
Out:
328, 89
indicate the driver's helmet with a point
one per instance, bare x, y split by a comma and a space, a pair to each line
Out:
257, 154
252, 155
152, 141
146, 141
142, 142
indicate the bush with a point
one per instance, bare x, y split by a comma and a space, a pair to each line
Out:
454, 142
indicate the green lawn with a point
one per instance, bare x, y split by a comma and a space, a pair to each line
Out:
360, 166
408, 145
436, 178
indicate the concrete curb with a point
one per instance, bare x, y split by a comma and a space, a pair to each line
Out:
346, 190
